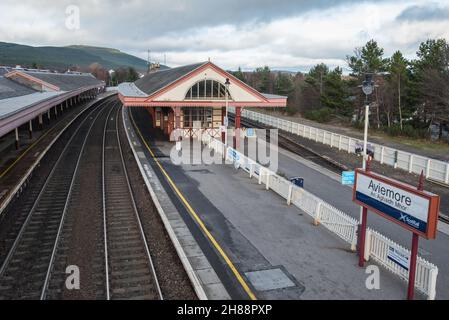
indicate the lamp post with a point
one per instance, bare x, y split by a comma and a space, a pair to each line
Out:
226, 119
367, 88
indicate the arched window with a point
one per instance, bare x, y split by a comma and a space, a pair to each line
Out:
207, 90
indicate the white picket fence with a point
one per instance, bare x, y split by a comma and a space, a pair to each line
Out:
343, 225
433, 169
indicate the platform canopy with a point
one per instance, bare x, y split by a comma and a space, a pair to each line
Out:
195, 85
26, 94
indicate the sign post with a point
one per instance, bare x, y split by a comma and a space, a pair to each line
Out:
363, 226
414, 253
412, 208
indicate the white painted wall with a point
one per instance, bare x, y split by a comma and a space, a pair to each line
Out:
178, 93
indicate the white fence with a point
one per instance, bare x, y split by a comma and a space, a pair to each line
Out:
433, 169
343, 225
380, 247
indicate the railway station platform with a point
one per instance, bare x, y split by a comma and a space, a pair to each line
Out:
275, 249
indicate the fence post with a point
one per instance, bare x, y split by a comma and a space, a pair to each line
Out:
396, 158
316, 219
349, 145
260, 175
354, 238
432, 283
268, 181
410, 164
367, 244
339, 143
251, 170
382, 155
428, 168
289, 196
447, 173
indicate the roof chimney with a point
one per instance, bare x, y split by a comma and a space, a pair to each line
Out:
155, 67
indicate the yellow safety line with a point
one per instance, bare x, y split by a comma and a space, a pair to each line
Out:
25, 152
198, 220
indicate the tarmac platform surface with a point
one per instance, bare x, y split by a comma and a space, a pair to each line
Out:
277, 249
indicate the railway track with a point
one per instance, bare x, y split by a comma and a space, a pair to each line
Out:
295, 147
84, 215
25, 268
80, 238
79, 210
130, 272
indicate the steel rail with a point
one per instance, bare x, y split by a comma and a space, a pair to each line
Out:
41, 192
66, 205
142, 232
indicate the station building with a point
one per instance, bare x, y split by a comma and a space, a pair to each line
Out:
28, 97
193, 98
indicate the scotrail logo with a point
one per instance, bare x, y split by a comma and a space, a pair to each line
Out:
409, 220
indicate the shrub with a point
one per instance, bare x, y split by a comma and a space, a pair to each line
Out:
319, 115
407, 131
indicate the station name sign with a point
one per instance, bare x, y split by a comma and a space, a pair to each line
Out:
414, 210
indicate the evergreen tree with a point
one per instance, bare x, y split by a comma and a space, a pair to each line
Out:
263, 79
431, 81
398, 80
336, 94
239, 75
283, 84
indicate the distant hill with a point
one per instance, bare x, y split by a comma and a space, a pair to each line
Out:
61, 58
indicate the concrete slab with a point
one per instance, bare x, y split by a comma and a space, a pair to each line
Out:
270, 279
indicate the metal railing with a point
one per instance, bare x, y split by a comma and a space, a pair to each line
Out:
336, 221
433, 169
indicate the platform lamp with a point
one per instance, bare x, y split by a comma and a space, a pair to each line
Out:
367, 88
226, 119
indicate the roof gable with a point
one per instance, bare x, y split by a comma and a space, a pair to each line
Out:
11, 89
153, 82
31, 81
47, 81
181, 79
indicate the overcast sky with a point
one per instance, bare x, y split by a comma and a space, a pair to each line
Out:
283, 34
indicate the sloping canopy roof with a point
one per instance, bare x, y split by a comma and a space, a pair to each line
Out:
11, 89
153, 82
55, 81
21, 98
13, 105
66, 81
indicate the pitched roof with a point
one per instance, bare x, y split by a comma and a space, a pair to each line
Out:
13, 105
273, 96
65, 81
11, 89
153, 82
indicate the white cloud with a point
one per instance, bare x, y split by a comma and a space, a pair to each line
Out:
292, 35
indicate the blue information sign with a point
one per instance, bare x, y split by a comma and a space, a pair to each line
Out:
250, 133
347, 178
